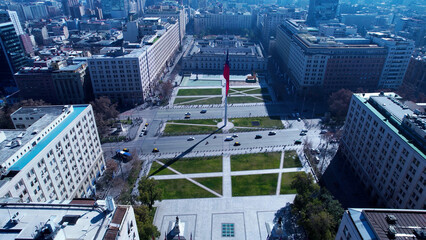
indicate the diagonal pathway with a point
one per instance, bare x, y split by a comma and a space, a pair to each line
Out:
281, 173
191, 180
226, 181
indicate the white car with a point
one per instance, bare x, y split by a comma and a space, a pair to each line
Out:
191, 138
229, 138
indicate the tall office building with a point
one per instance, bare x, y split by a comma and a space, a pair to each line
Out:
321, 11
54, 153
12, 56
12, 16
384, 143
129, 76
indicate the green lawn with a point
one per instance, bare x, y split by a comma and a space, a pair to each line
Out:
174, 129
155, 166
286, 180
291, 160
255, 161
253, 185
214, 183
264, 122
198, 121
199, 101
197, 164
248, 99
249, 91
199, 91
182, 188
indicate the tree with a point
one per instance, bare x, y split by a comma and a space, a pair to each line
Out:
144, 221
149, 191
104, 110
339, 103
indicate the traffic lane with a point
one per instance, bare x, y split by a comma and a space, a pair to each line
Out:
247, 140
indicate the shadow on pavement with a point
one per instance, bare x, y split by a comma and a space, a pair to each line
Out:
173, 160
345, 186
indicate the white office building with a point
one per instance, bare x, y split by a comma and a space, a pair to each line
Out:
67, 219
385, 144
129, 75
397, 60
54, 153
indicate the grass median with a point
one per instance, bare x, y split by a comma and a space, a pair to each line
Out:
291, 160
253, 185
175, 129
255, 161
199, 91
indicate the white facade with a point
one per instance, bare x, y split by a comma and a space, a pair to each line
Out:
130, 76
68, 219
58, 156
399, 54
376, 146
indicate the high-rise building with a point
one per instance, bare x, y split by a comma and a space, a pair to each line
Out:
321, 11
54, 154
384, 143
129, 76
12, 16
12, 56
362, 224
75, 219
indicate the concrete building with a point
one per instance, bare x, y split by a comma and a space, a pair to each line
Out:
204, 22
68, 219
399, 53
54, 154
129, 76
377, 61
415, 77
384, 144
321, 11
208, 55
362, 224
12, 16
71, 83
338, 30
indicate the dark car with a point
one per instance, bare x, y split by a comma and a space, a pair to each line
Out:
271, 133
258, 137
203, 111
297, 142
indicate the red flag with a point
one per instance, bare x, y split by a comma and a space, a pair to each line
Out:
226, 72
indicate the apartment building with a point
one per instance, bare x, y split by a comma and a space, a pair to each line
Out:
333, 63
384, 144
362, 224
53, 154
208, 55
68, 219
129, 75
70, 83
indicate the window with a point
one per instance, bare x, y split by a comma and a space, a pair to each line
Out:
228, 230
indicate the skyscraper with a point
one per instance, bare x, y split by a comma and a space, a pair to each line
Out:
115, 8
321, 10
12, 56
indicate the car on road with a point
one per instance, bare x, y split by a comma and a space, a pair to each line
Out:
146, 124
305, 130
187, 115
258, 137
203, 111
191, 138
141, 134
323, 131
237, 144
299, 119
297, 142
234, 135
229, 138
145, 133
272, 133
302, 134
155, 150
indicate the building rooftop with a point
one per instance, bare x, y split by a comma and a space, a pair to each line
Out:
389, 224
60, 220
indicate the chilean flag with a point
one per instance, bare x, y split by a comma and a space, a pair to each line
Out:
226, 72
